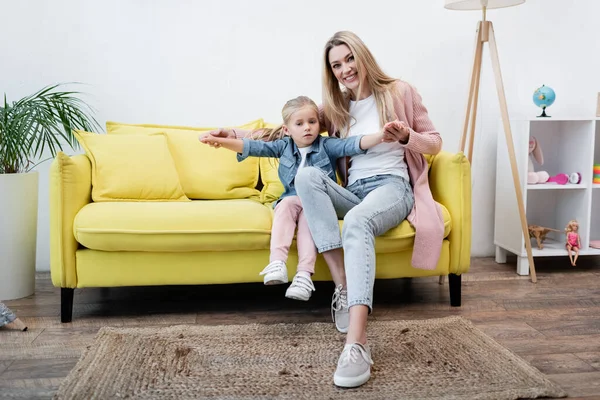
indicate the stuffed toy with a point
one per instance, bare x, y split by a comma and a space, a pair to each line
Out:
535, 152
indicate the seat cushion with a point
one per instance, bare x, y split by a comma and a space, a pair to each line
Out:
402, 237
199, 225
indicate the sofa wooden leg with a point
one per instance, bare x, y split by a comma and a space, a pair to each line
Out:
454, 282
66, 304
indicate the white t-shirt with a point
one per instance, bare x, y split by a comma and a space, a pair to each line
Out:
382, 159
303, 152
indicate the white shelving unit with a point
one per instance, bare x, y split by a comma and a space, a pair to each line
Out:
568, 145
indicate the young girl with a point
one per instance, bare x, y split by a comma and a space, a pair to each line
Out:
573, 240
298, 144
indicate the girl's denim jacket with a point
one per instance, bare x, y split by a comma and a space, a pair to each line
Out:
323, 154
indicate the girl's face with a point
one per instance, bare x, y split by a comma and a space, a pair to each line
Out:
343, 65
303, 126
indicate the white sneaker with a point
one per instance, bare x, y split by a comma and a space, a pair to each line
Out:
354, 366
339, 309
275, 273
301, 288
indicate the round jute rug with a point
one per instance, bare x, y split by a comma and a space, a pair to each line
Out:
446, 358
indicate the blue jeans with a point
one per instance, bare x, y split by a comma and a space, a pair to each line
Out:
369, 207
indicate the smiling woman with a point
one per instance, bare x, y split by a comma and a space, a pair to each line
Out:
382, 187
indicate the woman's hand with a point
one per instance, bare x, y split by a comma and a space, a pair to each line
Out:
396, 131
220, 132
212, 141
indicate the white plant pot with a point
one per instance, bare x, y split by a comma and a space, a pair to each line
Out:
18, 234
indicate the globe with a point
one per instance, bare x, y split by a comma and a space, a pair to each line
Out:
544, 97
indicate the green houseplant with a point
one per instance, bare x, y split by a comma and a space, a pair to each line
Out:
35, 126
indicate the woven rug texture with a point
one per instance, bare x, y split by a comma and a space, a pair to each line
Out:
445, 358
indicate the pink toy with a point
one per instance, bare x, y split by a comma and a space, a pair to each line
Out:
561, 179
535, 152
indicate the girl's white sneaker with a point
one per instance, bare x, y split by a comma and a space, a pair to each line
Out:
301, 288
275, 273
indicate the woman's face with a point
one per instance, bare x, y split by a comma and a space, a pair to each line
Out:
343, 65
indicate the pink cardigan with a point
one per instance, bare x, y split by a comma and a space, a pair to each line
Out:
426, 215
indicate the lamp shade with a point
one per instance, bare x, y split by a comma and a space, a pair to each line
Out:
479, 4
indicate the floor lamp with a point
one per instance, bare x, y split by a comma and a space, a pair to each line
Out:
485, 33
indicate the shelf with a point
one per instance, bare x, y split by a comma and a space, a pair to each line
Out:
569, 144
556, 186
553, 118
556, 248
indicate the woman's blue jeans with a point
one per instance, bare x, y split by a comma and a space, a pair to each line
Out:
369, 207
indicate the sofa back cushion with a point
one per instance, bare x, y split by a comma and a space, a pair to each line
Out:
204, 172
131, 168
272, 188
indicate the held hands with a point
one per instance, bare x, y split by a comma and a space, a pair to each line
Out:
395, 131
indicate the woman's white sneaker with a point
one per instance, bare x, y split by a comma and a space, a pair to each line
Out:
301, 288
354, 366
339, 309
275, 273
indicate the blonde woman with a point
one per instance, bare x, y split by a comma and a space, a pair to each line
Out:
382, 187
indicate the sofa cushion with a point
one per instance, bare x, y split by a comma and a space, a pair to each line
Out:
131, 168
272, 187
402, 236
197, 162
199, 225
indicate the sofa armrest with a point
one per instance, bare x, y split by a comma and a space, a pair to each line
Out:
450, 182
70, 190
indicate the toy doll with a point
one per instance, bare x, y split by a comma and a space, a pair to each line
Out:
573, 240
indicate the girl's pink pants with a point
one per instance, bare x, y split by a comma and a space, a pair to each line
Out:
288, 215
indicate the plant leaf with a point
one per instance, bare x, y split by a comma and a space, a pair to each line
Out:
43, 121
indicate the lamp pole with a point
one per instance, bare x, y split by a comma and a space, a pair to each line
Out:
485, 33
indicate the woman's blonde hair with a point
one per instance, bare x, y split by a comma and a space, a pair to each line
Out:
290, 107
336, 99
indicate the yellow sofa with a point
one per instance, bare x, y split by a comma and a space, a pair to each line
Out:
129, 213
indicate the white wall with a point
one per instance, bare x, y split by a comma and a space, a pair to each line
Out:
226, 62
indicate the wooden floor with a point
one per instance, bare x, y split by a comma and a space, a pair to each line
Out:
554, 324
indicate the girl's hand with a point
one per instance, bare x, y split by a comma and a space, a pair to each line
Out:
398, 129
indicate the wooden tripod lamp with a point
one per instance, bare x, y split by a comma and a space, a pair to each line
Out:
485, 34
